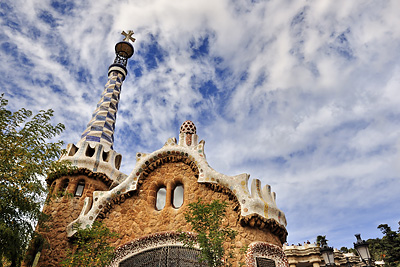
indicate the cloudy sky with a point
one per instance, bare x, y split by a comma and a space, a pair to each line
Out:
303, 95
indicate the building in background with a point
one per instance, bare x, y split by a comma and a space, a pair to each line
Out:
146, 207
309, 255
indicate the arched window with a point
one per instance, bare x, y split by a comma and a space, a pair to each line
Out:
161, 198
79, 188
90, 151
177, 196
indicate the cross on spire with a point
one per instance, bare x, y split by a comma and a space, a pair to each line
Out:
128, 36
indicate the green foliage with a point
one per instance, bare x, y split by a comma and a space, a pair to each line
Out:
207, 221
376, 250
58, 195
36, 245
348, 250
59, 170
321, 239
26, 154
386, 248
91, 247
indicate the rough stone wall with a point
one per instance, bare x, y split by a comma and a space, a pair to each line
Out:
63, 210
137, 216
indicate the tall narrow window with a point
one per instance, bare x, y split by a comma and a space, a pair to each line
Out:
161, 198
64, 185
177, 199
79, 188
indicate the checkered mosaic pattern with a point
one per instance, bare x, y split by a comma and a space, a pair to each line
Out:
101, 127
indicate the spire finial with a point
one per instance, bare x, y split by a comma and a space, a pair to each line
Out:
123, 51
128, 36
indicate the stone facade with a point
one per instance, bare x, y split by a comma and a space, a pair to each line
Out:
135, 216
63, 207
128, 217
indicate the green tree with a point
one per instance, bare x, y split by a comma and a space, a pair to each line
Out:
26, 154
348, 250
376, 250
388, 246
321, 239
91, 247
206, 221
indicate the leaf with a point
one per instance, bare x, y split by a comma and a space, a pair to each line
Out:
206, 221
27, 153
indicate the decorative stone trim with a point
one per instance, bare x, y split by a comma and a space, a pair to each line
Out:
148, 242
265, 250
255, 220
118, 68
79, 171
167, 157
96, 158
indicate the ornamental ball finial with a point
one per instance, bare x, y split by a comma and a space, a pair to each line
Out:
188, 127
124, 49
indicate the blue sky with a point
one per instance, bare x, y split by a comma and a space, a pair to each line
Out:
303, 95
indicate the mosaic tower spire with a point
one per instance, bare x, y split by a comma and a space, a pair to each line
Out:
100, 128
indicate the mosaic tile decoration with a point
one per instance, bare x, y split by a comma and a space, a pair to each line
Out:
170, 238
261, 201
268, 251
101, 127
189, 129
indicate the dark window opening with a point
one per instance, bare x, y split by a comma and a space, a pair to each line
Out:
64, 186
118, 160
89, 151
79, 188
161, 198
177, 196
264, 262
73, 150
105, 156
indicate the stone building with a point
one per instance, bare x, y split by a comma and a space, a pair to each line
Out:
309, 255
146, 207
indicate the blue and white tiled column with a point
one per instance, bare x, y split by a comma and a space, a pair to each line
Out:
95, 149
100, 128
